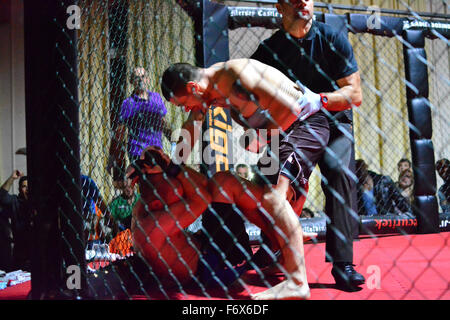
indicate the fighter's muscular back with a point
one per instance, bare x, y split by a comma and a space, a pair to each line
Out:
247, 85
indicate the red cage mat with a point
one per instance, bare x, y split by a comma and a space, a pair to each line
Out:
402, 267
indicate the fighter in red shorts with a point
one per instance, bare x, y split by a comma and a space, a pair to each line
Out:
174, 196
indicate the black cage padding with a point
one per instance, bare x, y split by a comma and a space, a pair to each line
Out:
426, 222
424, 171
420, 113
425, 205
212, 46
386, 26
53, 148
416, 73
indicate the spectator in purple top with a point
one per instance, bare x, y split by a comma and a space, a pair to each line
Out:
141, 124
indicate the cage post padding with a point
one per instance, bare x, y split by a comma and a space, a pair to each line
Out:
53, 148
211, 43
416, 73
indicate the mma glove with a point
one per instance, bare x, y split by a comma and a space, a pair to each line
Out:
154, 158
310, 102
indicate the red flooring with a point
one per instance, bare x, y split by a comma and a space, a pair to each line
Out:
409, 267
414, 267
17, 292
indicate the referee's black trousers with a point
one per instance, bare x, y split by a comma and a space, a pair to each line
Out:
338, 186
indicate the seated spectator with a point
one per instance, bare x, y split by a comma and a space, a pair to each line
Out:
307, 213
442, 167
121, 207
377, 194
403, 164
17, 209
406, 184
96, 215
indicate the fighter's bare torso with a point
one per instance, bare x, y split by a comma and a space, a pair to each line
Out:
173, 257
247, 85
168, 205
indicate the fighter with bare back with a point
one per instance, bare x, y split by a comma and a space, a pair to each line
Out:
261, 97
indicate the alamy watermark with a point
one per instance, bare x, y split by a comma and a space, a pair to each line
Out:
374, 21
374, 278
74, 280
74, 20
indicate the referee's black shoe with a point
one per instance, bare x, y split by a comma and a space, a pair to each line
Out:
346, 276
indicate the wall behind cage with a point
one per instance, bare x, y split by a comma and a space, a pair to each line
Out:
158, 33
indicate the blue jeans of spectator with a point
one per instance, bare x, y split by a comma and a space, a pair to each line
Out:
369, 203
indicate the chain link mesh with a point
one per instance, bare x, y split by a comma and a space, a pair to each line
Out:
115, 38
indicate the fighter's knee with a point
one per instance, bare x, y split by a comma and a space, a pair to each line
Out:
273, 198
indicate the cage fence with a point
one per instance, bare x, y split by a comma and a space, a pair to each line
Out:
123, 48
